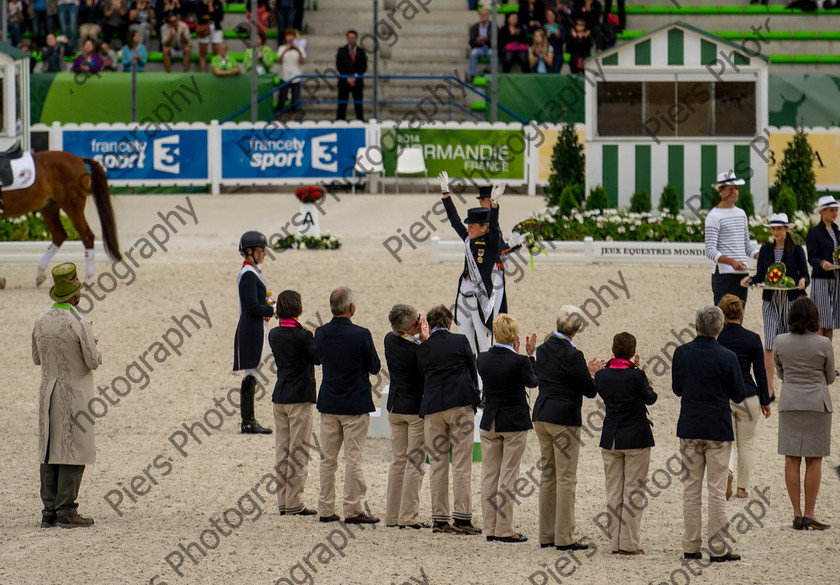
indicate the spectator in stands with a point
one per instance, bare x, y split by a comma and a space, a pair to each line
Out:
40, 21
265, 56
108, 56
115, 23
590, 11
52, 16
165, 8
291, 57
541, 53
479, 41
555, 32
134, 51
209, 13
16, 20
579, 45
285, 14
68, 14
223, 64
26, 47
531, 16
142, 19
88, 61
350, 60
513, 44
91, 17
175, 39
263, 20
54, 52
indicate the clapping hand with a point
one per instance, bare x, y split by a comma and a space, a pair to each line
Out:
444, 182
594, 365
531, 344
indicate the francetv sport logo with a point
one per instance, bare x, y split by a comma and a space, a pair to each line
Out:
289, 153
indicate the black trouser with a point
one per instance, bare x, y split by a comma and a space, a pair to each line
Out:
622, 15
60, 487
723, 284
344, 91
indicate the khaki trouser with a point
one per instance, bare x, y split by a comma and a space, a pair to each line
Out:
711, 457
454, 426
559, 450
405, 475
501, 454
292, 426
625, 471
351, 430
744, 422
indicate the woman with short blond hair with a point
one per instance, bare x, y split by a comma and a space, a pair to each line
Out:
505, 423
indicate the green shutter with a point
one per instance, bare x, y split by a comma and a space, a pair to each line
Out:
742, 164
708, 171
675, 46
643, 53
643, 168
610, 59
609, 172
708, 52
740, 59
676, 169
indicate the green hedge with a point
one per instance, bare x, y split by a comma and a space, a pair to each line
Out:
31, 227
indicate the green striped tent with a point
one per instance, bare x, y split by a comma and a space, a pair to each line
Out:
677, 105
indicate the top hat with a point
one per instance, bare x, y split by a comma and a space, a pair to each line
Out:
478, 215
825, 202
66, 282
484, 192
779, 220
727, 178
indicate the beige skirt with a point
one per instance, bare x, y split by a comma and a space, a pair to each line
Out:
804, 434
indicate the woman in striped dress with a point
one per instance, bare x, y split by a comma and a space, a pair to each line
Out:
821, 241
775, 303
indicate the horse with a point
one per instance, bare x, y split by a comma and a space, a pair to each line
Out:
62, 182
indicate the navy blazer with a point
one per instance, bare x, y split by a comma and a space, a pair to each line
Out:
448, 367
406, 387
625, 392
795, 266
706, 376
295, 357
750, 351
564, 379
820, 247
250, 331
505, 375
347, 358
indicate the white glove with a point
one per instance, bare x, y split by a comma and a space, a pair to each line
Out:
516, 239
496, 192
444, 182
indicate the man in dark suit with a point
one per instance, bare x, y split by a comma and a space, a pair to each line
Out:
450, 397
350, 60
347, 358
706, 376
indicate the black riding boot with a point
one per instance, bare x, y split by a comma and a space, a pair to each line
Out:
250, 426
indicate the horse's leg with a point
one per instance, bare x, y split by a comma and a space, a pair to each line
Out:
52, 220
76, 213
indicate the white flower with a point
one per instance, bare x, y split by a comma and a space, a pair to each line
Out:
302, 246
621, 229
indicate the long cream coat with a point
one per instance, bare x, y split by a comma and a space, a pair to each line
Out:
64, 347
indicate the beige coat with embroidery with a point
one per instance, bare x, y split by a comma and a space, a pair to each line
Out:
64, 347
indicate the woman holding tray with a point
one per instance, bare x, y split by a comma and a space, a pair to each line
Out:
822, 241
775, 303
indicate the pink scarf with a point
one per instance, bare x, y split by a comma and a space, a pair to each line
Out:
620, 364
284, 322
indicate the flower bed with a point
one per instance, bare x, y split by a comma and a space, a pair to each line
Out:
31, 227
326, 241
620, 225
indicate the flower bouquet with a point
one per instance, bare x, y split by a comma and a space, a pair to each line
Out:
776, 278
309, 193
527, 229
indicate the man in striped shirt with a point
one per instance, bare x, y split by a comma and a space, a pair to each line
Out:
728, 240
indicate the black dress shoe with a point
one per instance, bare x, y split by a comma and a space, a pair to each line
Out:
361, 519
797, 523
695, 556
492, 539
547, 545
724, 558
330, 518
511, 538
302, 512
573, 546
811, 524
49, 520
252, 427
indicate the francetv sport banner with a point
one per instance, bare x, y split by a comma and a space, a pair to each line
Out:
163, 155
311, 153
499, 153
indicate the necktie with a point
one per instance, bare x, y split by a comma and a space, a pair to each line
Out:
352, 55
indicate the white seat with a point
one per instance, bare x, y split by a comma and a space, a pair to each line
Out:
411, 162
366, 164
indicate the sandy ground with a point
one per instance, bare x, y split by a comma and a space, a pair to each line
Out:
188, 482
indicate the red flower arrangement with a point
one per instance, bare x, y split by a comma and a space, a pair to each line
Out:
309, 194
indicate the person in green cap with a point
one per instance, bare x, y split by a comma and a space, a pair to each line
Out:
64, 346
